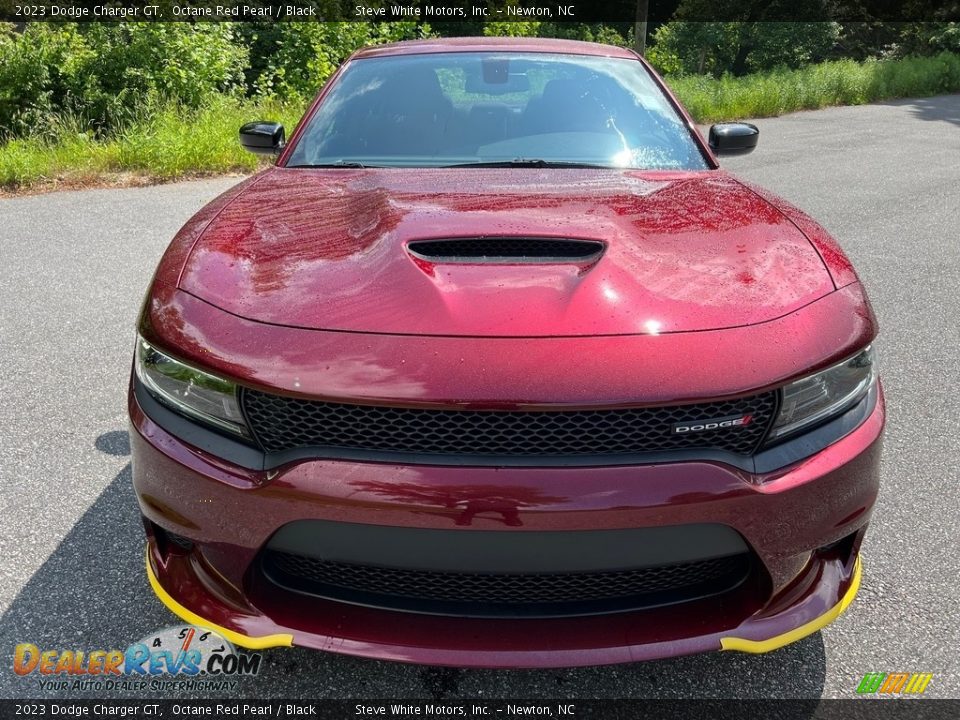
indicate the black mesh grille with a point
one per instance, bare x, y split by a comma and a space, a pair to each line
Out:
520, 248
490, 593
284, 423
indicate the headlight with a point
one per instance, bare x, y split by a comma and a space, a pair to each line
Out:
826, 394
189, 391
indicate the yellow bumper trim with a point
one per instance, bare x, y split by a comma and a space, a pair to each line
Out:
778, 641
253, 643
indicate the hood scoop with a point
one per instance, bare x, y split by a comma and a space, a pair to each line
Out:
504, 250
499, 252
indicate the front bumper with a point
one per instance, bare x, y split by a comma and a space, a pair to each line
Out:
803, 523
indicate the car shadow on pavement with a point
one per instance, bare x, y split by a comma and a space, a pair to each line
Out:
945, 108
92, 593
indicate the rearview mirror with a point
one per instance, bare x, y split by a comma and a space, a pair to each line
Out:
493, 77
263, 138
733, 138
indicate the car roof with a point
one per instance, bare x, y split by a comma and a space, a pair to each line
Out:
479, 44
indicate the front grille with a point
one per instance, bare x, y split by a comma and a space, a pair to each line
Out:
505, 593
510, 248
284, 423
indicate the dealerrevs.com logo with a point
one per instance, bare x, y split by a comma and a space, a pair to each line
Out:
183, 657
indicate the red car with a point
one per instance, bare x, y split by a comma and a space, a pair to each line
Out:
496, 368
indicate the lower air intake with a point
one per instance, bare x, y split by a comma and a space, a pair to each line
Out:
505, 594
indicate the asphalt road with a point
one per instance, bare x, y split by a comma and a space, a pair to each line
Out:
883, 178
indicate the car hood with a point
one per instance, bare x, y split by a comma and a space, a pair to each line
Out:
328, 249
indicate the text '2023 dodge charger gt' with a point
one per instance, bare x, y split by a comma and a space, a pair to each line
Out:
496, 367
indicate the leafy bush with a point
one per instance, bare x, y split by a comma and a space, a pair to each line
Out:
512, 28
927, 38
692, 47
292, 60
607, 34
716, 47
185, 62
790, 44
104, 75
42, 71
610, 36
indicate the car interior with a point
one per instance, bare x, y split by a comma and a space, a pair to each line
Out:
410, 112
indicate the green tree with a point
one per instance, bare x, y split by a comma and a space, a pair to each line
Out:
740, 47
694, 47
758, 35
608, 33
928, 38
42, 70
292, 60
103, 74
184, 62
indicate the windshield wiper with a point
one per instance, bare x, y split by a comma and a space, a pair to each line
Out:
530, 162
336, 164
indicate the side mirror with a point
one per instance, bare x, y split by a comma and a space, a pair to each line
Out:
263, 138
733, 138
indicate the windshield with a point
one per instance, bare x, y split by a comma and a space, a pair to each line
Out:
446, 109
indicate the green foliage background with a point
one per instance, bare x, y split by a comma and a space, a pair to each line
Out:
164, 99
102, 77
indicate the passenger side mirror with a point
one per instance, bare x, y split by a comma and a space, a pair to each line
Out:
263, 138
733, 138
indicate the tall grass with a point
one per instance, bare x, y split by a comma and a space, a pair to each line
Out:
168, 142
841, 82
165, 143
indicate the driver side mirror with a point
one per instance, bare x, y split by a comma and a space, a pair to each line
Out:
263, 138
733, 138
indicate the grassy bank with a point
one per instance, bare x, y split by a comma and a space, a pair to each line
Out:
169, 144
842, 82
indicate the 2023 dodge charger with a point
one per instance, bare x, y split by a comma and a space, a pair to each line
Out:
496, 367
